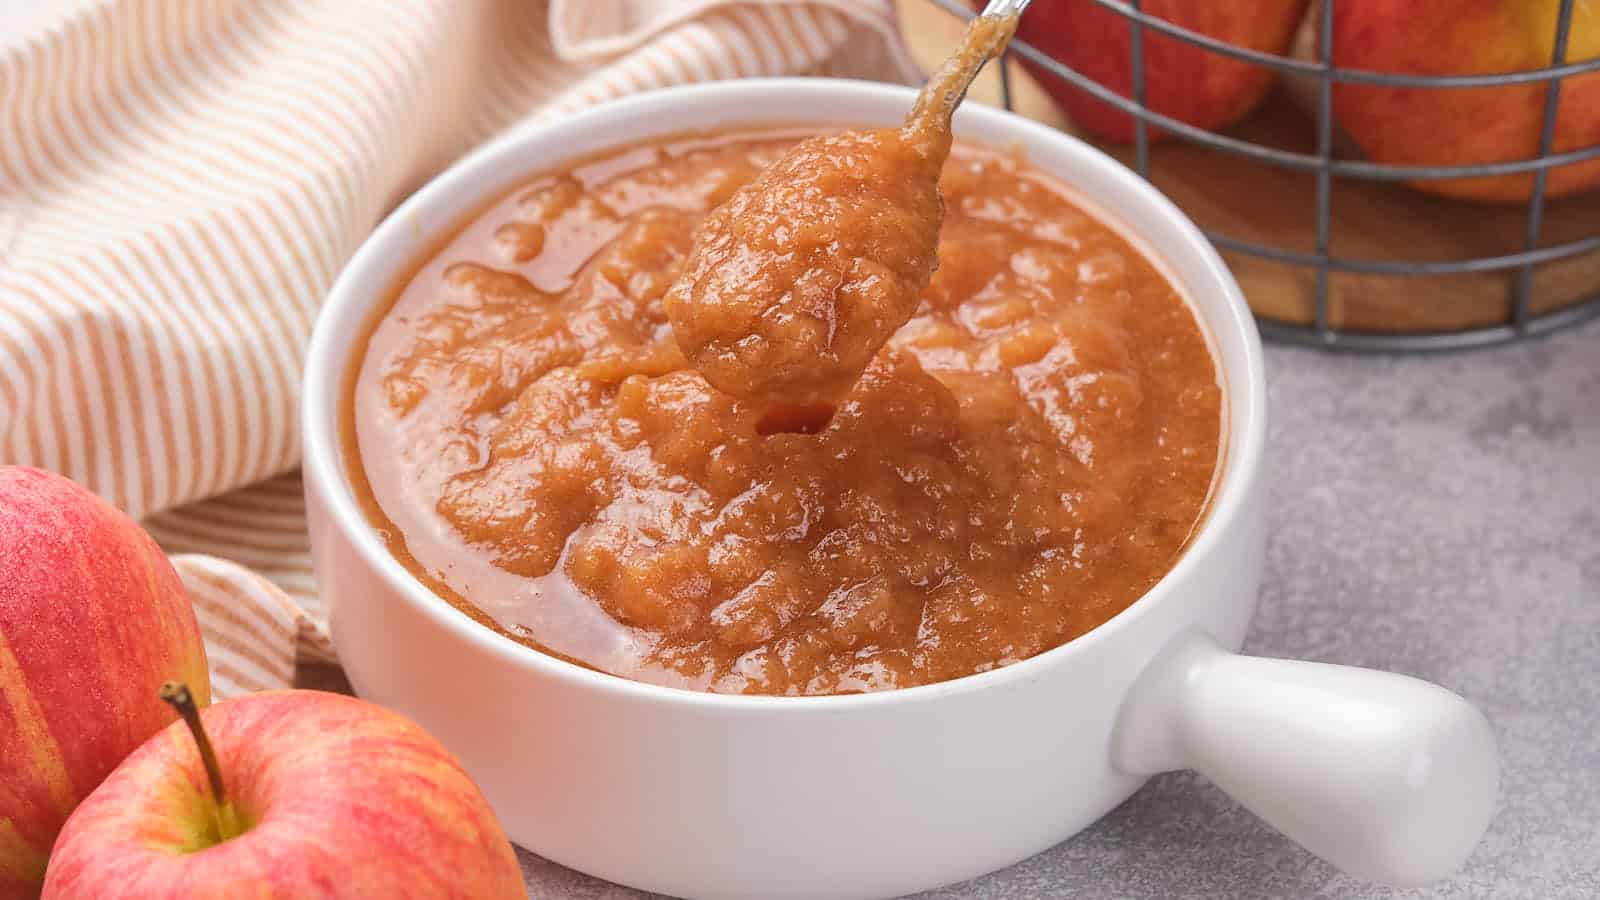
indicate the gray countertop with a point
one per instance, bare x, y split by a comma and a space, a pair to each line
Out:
1435, 516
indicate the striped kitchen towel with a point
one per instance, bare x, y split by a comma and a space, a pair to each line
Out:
181, 180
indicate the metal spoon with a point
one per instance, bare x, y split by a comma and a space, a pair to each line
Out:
986, 37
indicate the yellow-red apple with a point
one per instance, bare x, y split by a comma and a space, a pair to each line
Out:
92, 620
324, 796
1467, 126
1186, 82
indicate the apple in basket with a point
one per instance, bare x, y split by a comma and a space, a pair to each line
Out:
1184, 81
285, 794
92, 620
1465, 126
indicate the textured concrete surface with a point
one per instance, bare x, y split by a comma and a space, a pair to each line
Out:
1435, 516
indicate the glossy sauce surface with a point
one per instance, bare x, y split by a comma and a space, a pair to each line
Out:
794, 284
1022, 460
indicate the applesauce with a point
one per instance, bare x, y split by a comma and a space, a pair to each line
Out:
795, 283
1021, 460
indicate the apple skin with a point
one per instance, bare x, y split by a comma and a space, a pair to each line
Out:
340, 799
92, 620
1431, 126
1183, 81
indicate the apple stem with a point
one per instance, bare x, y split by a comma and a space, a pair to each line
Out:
176, 693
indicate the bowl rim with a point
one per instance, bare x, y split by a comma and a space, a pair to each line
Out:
367, 276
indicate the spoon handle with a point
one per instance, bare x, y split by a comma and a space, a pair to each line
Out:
986, 36
1001, 8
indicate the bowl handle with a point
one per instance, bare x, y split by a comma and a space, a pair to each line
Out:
1387, 777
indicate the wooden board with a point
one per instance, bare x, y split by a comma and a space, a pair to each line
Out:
1260, 202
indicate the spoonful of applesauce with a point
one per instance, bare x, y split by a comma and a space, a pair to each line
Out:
797, 280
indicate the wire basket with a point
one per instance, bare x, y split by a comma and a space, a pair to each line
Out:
1524, 316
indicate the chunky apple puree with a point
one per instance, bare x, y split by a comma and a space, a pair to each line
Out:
795, 283
1023, 458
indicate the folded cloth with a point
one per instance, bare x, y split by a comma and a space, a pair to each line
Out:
181, 182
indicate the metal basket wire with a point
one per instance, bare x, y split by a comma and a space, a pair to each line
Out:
1522, 321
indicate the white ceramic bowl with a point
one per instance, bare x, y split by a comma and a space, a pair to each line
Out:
881, 794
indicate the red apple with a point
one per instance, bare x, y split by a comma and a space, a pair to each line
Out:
324, 796
1183, 81
1432, 126
92, 620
